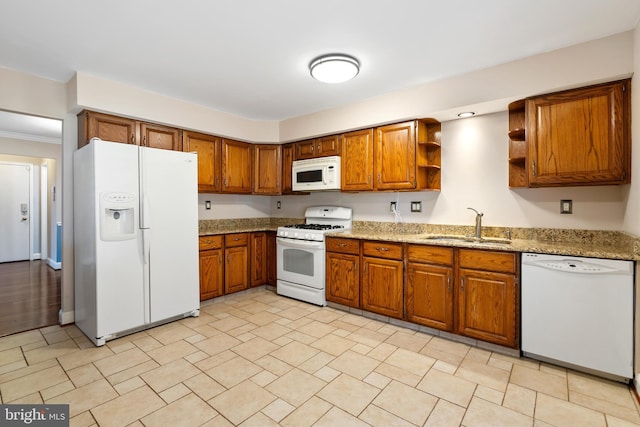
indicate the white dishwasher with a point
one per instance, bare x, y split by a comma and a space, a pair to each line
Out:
578, 312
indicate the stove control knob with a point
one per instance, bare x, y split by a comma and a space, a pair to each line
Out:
284, 233
306, 236
295, 235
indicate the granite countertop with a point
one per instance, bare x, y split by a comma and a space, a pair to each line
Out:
586, 243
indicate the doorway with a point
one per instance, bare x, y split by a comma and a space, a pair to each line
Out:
30, 280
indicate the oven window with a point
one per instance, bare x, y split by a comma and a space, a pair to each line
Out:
298, 261
309, 176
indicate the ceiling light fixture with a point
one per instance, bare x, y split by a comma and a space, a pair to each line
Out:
466, 114
335, 68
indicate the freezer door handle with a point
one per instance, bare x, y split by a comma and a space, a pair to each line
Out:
145, 248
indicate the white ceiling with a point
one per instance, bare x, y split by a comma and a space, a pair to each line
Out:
250, 57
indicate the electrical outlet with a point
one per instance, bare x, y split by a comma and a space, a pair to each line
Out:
207, 205
278, 204
416, 206
393, 207
566, 206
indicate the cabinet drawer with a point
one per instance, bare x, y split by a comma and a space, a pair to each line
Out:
504, 262
237, 239
209, 242
345, 246
382, 250
430, 254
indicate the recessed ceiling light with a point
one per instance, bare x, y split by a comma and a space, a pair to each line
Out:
335, 68
466, 114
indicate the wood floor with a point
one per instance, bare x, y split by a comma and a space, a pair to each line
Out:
29, 296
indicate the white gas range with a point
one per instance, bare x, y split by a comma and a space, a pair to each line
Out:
301, 252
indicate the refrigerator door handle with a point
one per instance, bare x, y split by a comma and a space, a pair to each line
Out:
146, 280
144, 202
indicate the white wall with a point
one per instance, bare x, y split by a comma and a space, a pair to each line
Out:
475, 174
632, 214
234, 206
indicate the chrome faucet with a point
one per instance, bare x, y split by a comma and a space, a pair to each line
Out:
478, 223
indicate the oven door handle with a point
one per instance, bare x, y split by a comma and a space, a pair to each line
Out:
302, 244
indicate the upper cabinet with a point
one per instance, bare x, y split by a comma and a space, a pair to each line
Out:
236, 167
357, 160
209, 164
267, 169
288, 155
573, 137
158, 136
106, 127
127, 131
401, 156
318, 147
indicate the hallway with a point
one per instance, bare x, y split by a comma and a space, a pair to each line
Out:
29, 296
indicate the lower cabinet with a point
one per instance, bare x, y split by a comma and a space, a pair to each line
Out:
258, 258
343, 271
382, 278
488, 297
211, 267
236, 267
429, 286
272, 266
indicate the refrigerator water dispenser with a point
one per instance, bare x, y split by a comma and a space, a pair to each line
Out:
117, 216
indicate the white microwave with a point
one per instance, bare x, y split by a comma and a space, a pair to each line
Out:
321, 173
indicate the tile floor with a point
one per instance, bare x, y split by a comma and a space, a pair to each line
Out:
257, 359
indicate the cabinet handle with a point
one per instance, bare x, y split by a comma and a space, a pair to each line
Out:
381, 249
219, 260
225, 182
235, 239
319, 148
378, 177
144, 140
533, 167
369, 179
133, 139
448, 282
217, 181
312, 147
364, 270
342, 245
462, 281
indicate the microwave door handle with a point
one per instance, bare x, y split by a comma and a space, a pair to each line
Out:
325, 172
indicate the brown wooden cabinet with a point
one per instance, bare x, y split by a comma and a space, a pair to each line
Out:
158, 136
357, 160
128, 131
267, 169
571, 138
429, 286
106, 127
236, 267
209, 164
382, 278
211, 267
272, 266
343, 271
318, 147
395, 156
288, 155
236, 167
488, 296
259, 267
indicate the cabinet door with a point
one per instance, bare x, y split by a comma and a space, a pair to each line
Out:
157, 136
236, 167
343, 279
107, 128
395, 156
327, 146
357, 160
579, 137
236, 269
288, 154
429, 295
258, 258
267, 169
305, 149
211, 274
382, 286
208, 149
487, 306
271, 258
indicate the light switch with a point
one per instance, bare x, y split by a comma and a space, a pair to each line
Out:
566, 206
416, 206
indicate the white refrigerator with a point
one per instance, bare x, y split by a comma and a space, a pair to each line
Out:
135, 238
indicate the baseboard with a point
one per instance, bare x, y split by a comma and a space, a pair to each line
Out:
65, 317
37, 256
54, 264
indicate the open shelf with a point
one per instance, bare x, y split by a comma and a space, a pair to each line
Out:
518, 176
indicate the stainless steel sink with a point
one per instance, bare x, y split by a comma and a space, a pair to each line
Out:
483, 240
